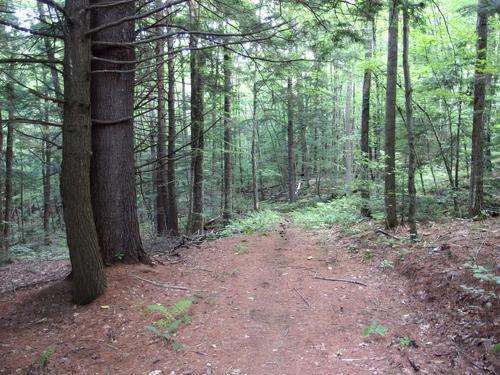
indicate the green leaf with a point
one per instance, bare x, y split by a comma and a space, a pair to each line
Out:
496, 349
375, 328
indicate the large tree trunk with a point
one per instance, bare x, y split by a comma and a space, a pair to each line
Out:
228, 139
89, 280
172, 215
9, 160
348, 134
113, 174
480, 77
412, 192
161, 166
391, 219
291, 145
365, 125
197, 125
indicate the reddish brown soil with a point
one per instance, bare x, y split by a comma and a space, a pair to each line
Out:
262, 313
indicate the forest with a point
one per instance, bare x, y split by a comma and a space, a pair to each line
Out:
249, 186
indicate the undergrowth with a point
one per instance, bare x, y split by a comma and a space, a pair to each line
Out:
255, 222
344, 211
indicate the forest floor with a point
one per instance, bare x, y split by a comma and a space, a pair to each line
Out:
259, 307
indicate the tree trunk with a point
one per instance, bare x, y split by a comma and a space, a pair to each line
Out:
365, 126
291, 146
47, 187
197, 120
228, 139
255, 183
161, 154
113, 174
480, 76
303, 141
412, 193
89, 280
348, 134
391, 219
172, 214
9, 159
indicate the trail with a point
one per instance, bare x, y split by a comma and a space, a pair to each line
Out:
266, 314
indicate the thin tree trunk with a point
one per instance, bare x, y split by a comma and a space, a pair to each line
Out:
291, 146
480, 77
89, 279
365, 125
161, 200
172, 214
303, 140
391, 219
228, 139
9, 159
255, 183
47, 171
113, 186
197, 125
348, 134
412, 193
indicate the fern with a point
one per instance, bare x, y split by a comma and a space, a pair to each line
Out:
155, 308
173, 317
44, 357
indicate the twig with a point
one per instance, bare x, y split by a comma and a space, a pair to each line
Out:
387, 234
413, 365
339, 280
168, 286
303, 298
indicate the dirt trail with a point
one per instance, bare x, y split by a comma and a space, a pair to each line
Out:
265, 314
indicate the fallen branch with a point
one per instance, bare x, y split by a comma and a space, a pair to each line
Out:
339, 280
387, 234
303, 298
168, 286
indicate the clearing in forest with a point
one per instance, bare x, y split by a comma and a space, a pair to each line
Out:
261, 304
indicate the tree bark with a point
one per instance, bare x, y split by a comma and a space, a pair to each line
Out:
113, 174
228, 139
255, 182
412, 192
348, 134
161, 154
365, 125
391, 219
197, 125
291, 145
9, 160
480, 78
47, 186
89, 280
172, 214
